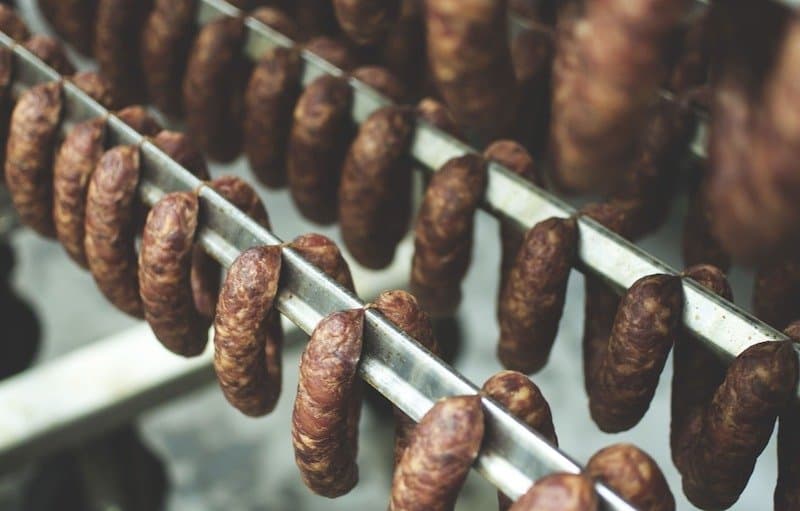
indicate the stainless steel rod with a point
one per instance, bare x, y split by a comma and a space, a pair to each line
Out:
723, 326
512, 457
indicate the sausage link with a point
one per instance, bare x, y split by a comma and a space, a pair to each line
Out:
29, 157
327, 406
325, 255
523, 399
51, 52
375, 188
181, 149
600, 308
439, 116
239, 193
111, 227
471, 63
98, 87
404, 48
402, 309
270, 99
164, 274
532, 53
559, 492
241, 332
787, 490
138, 118
73, 20
697, 372
212, 88
633, 475
736, 426
645, 326
277, 20
333, 51
118, 27
439, 455
366, 22
12, 25
166, 40
776, 296
317, 147
383, 81
533, 299
75, 162
443, 234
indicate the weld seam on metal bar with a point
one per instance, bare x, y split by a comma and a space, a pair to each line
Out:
513, 456
723, 326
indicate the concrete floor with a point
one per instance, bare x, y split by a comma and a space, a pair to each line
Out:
218, 459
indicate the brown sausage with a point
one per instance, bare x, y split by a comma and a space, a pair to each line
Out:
402, 309
697, 372
180, 148
523, 399
439, 116
533, 299
403, 50
600, 307
277, 20
138, 118
471, 64
270, 99
12, 25
443, 234
29, 157
164, 274
166, 40
97, 87
325, 255
776, 297
787, 490
532, 52
327, 406
699, 244
375, 188
118, 27
633, 475
647, 321
317, 147
212, 88
241, 334
517, 159
50, 51
439, 455
333, 51
75, 162
736, 426
110, 227
559, 492
366, 22
73, 20
239, 193
383, 81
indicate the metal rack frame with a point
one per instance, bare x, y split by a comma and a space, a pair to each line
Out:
513, 456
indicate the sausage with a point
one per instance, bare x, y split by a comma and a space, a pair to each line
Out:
366, 22
383, 81
315, 17
776, 296
277, 20
533, 299
327, 406
606, 74
332, 51
737, 424
50, 52
324, 254
29, 156
402, 309
439, 455
517, 159
443, 234
181, 149
404, 47
532, 52
138, 118
633, 475
317, 147
241, 333
166, 40
73, 20
164, 274
375, 188
236, 191
75, 162
12, 25
645, 326
523, 399
787, 490
118, 27
438, 116
212, 88
270, 99
96, 86
699, 244
471, 64
697, 372
110, 227
559, 492
601, 303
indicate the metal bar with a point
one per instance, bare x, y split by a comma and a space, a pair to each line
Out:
723, 326
513, 456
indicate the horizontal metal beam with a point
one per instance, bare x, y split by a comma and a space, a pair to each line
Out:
512, 457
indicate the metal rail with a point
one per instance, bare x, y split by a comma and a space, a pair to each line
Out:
512, 457
723, 326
